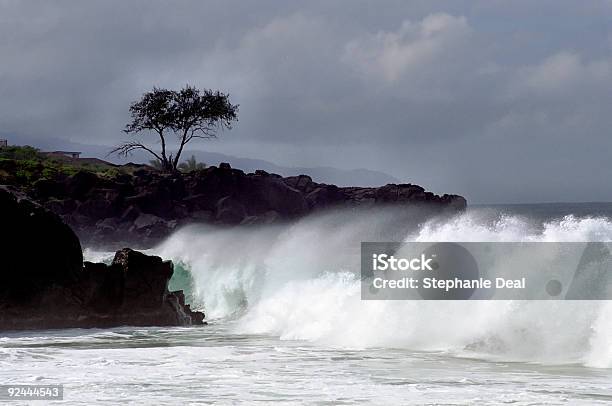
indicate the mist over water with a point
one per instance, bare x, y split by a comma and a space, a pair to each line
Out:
300, 281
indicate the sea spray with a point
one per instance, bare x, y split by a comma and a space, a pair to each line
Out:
300, 281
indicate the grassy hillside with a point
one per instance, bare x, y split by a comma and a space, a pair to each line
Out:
25, 164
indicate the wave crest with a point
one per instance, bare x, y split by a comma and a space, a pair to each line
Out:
301, 281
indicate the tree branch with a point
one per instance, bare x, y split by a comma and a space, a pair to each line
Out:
184, 140
160, 131
127, 148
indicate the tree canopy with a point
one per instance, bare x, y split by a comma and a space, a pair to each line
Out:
187, 114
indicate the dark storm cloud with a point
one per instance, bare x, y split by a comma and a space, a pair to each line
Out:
500, 101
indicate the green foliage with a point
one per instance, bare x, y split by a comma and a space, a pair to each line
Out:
24, 165
109, 173
49, 172
156, 163
20, 153
191, 165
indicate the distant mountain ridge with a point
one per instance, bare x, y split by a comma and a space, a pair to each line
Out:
323, 174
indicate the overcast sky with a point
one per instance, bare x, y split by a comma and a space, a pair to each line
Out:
500, 101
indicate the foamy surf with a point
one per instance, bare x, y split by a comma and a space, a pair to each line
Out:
301, 282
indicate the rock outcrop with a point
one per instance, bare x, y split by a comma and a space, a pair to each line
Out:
44, 283
147, 206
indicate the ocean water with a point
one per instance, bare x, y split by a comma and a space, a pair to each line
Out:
287, 324
217, 365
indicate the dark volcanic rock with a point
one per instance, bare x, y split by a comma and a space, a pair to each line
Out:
133, 290
145, 278
324, 196
79, 184
148, 205
39, 250
230, 210
61, 206
44, 283
47, 188
270, 193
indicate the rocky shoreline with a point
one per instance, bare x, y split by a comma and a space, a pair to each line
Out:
45, 284
142, 208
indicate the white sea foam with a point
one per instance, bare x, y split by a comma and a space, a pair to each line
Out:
301, 281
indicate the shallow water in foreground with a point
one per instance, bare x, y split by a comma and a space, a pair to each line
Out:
214, 365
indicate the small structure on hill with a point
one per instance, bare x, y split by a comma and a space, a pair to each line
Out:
69, 154
3, 143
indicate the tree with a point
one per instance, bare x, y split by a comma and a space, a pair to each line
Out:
191, 165
187, 114
153, 112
